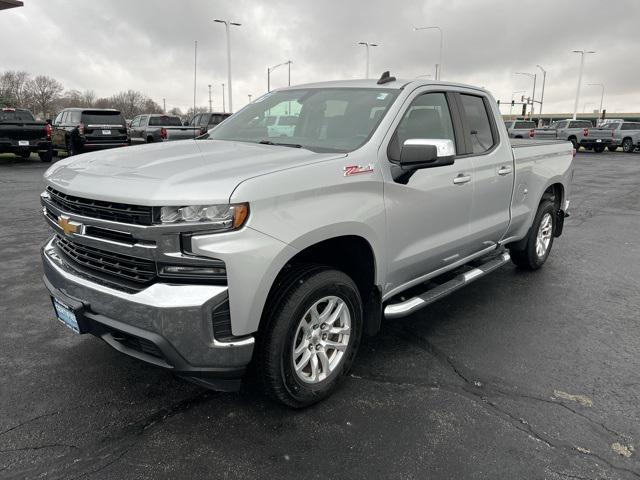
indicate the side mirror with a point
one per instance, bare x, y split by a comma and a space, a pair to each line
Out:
426, 153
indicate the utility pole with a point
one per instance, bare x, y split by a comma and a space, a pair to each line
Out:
367, 45
533, 95
228, 23
582, 55
249, 97
271, 69
195, 75
164, 105
210, 104
544, 81
223, 107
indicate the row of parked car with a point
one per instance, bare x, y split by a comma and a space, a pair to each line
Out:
611, 135
78, 130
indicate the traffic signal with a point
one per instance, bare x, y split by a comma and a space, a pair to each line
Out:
513, 102
498, 103
524, 109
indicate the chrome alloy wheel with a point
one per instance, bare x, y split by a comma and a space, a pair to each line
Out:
321, 339
544, 235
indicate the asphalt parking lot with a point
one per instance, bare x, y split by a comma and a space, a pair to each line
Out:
519, 376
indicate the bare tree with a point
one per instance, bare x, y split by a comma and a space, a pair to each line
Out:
176, 111
13, 88
43, 92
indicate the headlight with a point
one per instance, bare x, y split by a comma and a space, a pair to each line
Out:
219, 217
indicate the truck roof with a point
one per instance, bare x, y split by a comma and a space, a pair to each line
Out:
373, 83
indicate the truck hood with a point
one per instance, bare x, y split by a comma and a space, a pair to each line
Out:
187, 172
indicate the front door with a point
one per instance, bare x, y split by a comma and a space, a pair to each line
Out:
428, 210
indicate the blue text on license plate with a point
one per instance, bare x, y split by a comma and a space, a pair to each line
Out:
66, 316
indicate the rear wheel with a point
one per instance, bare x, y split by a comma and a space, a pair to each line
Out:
539, 239
46, 157
575, 143
311, 336
627, 145
71, 147
599, 148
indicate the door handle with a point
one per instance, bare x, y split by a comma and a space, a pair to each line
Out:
461, 179
505, 170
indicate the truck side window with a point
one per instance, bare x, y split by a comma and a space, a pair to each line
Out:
478, 123
428, 117
136, 122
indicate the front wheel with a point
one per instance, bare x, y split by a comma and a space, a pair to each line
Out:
46, 157
539, 240
311, 336
612, 148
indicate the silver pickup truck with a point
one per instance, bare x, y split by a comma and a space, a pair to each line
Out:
625, 135
521, 128
574, 131
160, 128
204, 256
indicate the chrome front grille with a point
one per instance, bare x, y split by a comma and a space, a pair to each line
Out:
107, 266
115, 212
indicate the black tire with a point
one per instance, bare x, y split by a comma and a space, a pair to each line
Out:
575, 143
46, 157
628, 146
612, 148
599, 148
296, 294
150, 140
526, 256
25, 155
71, 147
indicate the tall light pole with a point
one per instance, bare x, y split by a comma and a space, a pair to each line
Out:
223, 107
227, 23
164, 105
367, 45
533, 95
582, 55
249, 97
271, 69
512, 100
544, 81
195, 75
439, 65
601, 85
210, 104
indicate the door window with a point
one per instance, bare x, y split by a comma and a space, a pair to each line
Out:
195, 120
478, 123
136, 122
58, 119
427, 117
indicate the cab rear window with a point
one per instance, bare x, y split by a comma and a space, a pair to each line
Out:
164, 121
527, 125
13, 116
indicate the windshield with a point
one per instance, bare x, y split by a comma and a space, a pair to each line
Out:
610, 126
319, 119
165, 121
102, 118
15, 116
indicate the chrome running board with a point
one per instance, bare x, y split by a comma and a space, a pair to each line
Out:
402, 309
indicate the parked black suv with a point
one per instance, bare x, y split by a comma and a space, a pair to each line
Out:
78, 130
206, 121
21, 134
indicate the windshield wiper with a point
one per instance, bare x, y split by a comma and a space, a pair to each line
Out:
269, 142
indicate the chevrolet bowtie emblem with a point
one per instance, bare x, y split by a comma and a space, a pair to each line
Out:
67, 226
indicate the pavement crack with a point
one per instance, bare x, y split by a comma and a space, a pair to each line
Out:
26, 422
40, 447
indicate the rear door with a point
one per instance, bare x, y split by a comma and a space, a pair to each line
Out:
134, 130
428, 212
492, 171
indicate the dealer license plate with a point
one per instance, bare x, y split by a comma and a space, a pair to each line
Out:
66, 315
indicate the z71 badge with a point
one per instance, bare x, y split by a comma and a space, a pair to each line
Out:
356, 169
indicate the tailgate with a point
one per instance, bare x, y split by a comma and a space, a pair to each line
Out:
105, 133
182, 133
600, 133
546, 133
21, 131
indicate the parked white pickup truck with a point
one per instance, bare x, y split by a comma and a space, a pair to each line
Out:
202, 256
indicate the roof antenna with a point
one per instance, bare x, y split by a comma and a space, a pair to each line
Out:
386, 78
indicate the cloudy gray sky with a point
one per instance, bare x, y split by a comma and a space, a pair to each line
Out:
147, 45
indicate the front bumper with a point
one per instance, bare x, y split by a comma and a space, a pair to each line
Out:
166, 325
